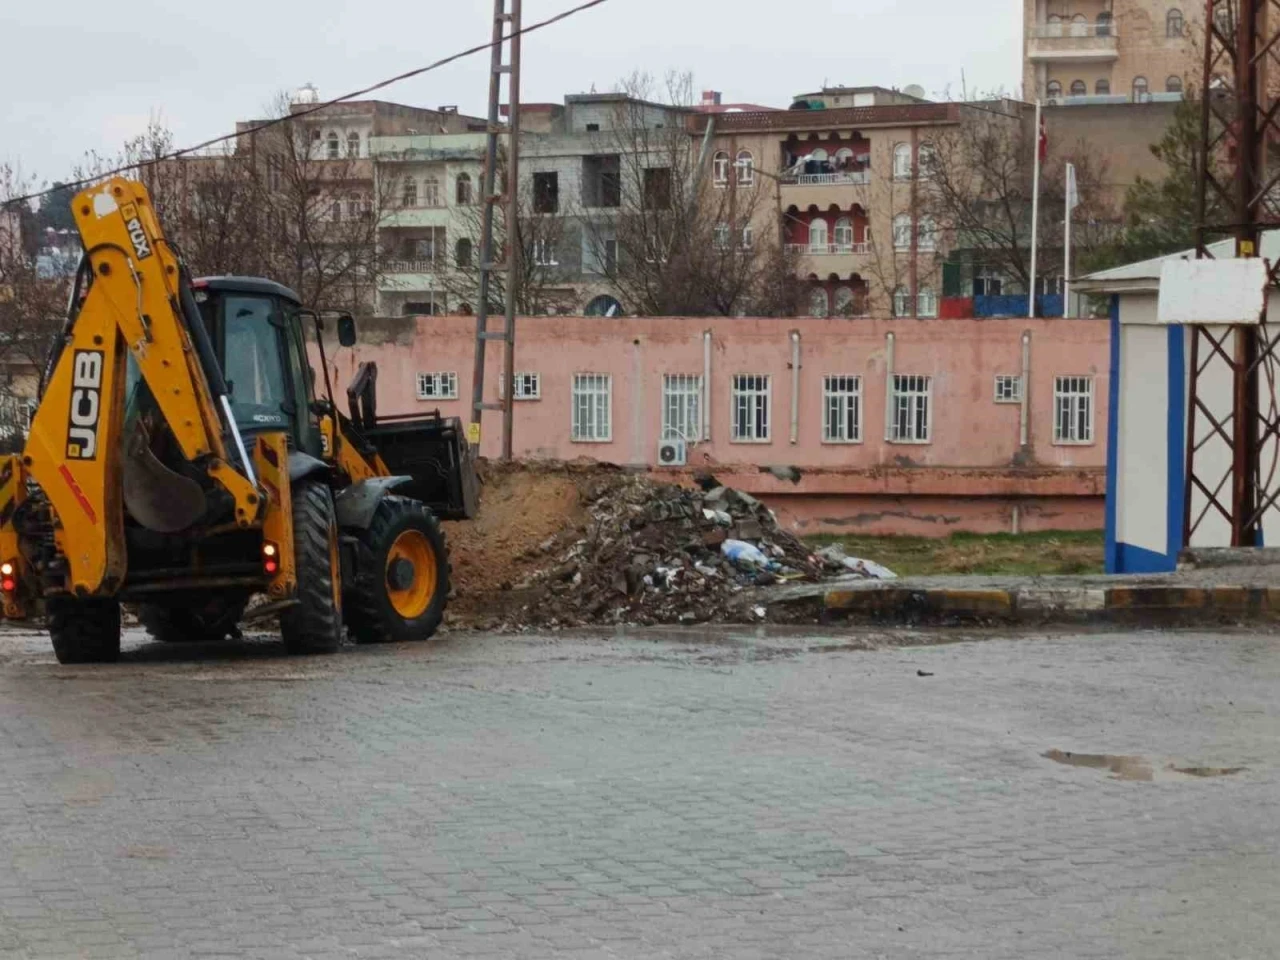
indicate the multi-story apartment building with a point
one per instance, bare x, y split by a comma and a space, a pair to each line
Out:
846, 177
430, 225
575, 181
1129, 50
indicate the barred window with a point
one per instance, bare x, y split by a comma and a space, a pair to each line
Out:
681, 407
592, 400
1008, 388
1073, 410
912, 409
438, 386
528, 386
752, 394
842, 409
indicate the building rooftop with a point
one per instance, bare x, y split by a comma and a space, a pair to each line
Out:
889, 115
1144, 275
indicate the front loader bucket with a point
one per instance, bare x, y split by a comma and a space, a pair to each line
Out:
157, 497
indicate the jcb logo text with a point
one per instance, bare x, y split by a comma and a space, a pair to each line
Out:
86, 405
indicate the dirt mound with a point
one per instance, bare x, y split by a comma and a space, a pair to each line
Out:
566, 544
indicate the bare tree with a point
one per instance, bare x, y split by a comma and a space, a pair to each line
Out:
32, 301
276, 205
542, 285
661, 233
906, 257
979, 191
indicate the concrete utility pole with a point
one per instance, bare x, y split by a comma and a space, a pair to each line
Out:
506, 32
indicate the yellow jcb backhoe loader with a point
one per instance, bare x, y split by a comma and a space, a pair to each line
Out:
179, 460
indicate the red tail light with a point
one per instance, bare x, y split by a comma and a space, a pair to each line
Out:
8, 578
270, 558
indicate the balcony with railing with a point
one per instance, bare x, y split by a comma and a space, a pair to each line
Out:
1073, 40
408, 275
833, 179
829, 249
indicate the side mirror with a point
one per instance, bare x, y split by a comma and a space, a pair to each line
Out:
346, 330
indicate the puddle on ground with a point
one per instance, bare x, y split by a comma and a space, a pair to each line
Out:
1136, 768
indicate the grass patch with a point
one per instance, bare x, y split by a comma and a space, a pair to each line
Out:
1028, 554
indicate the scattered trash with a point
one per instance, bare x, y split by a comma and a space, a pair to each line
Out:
589, 543
744, 556
835, 554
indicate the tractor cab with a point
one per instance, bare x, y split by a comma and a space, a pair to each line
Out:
256, 330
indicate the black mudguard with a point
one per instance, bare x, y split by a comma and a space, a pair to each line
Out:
357, 504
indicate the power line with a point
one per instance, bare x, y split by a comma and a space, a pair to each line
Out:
151, 161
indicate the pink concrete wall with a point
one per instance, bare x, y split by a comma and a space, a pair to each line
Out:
970, 431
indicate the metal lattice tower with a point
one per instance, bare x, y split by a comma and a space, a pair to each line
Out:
506, 35
1240, 124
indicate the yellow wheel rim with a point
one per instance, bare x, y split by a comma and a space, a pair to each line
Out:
413, 547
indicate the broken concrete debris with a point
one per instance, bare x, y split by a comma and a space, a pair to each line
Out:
652, 553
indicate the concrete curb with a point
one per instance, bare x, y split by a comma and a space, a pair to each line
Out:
1049, 604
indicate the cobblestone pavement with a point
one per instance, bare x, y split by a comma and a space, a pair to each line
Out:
655, 795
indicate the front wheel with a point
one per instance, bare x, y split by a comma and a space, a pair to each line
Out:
403, 580
314, 623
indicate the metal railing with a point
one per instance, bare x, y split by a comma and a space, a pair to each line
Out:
1073, 31
851, 177
828, 249
409, 266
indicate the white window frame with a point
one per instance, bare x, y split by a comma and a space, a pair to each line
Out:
409, 193
926, 303
902, 161
912, 397
748, 237
438, 385
819, 235
902, 233
591, 412
353, 138
1008, 388
842, 408
528, 386
332, 145
431, 192
842, 234
720, 236
901, 306
682, 407
926, 161
752, 394
926, 235
720, 168
1073, 409
544, 253
746, 167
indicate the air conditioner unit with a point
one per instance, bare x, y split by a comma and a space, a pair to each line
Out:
673, 453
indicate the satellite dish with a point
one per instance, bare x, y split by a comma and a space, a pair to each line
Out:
914, 90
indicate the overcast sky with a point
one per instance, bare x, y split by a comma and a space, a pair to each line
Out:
79, 75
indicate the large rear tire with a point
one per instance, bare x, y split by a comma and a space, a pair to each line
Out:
211, 622
314, 624
84, 631
402, 583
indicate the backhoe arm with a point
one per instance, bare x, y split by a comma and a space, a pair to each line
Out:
134, 306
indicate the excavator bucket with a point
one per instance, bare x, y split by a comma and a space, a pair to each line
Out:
157, 497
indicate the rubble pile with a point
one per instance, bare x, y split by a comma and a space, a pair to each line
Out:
651, 553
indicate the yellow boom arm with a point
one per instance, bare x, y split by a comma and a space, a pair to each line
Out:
133, 307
